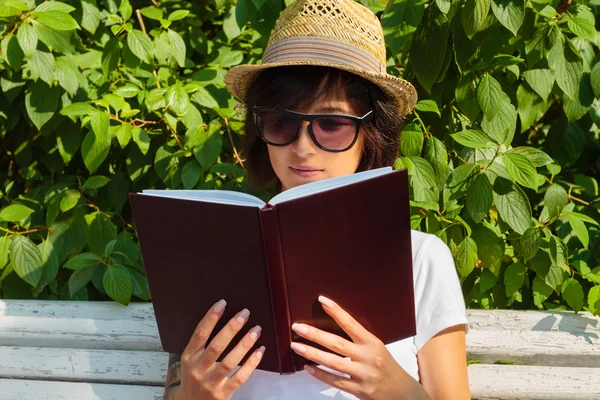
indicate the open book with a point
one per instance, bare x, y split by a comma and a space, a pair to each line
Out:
347, 238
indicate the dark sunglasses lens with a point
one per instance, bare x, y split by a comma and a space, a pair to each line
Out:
334, 133
277, 127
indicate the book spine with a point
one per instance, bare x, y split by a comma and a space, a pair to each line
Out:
278, 288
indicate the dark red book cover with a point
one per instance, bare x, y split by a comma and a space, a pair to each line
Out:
351, 244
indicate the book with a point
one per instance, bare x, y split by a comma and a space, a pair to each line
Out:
347, 238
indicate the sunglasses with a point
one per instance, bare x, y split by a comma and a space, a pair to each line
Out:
330, 132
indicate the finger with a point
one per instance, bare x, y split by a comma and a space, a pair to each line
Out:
336, 381
204, 329
221, 370
219, 343
326, 359
356, 331
333, 342
242, 374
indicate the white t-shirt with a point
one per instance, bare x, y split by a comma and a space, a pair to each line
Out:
439, 305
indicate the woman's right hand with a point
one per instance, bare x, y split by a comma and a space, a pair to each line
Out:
202, 378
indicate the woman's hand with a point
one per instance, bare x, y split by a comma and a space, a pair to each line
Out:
374, 374
202, 378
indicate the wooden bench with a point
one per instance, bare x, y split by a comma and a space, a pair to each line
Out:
104, 351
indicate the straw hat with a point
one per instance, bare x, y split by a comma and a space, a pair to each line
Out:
341, 34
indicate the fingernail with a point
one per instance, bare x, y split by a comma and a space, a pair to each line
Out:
309, 369
299, 328
220, 306
260, 352
243, 316
298, 348
326, 302
254, 332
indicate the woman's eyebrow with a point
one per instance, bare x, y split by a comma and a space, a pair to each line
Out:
331, 109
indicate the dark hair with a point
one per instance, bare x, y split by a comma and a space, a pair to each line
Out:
296, 88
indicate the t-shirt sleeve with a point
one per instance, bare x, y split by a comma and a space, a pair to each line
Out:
439, 301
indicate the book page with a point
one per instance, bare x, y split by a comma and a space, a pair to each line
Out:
327, 184
212, 196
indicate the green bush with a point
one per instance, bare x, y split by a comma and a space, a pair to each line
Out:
104, 98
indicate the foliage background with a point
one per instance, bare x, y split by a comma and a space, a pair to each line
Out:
102, 98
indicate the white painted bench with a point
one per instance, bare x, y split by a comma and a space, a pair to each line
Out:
104, 351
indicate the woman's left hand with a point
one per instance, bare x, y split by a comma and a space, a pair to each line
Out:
374, 374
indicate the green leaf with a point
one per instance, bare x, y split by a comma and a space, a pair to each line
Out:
437, 155
127, 91
208, 150
400, 20
204, 99
50, 262
466, 257
57, 20
10, 8
117, 283
177, 99
411, 140
41, 103
473, 15
513, 205
541, 291
140, 45
42, 64
15, 212
479, 198
521, 169
177, 15
5, 242
90, 17
27, 38
78, 109
152, 13
82, 260
429, 47
530, 243
461, 175
466, 97
110, 56
124, 132
555, 199
537, 157
69, 200
514, 277
230, 25
531, 106
177, 47
577, 107
190, 174
572, 292
474, 139
80, 278
582, 27
96, 144
541, 81
502, 127
595, 79
102, 231
510, 13
423, 173
26, 259
489, 96
125, 9
141, 138
66, 74
95, 182
55, 6
559, 254
567, 67
428, 106
582, 217
594, 300
580, 230
487, 281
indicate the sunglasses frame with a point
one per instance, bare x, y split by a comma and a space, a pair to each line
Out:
359, 121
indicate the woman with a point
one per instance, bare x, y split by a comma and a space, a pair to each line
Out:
327, 57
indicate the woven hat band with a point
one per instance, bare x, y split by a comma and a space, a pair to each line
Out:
307, 48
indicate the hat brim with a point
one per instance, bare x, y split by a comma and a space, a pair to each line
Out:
239, 78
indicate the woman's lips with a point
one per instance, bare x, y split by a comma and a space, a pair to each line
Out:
306, 172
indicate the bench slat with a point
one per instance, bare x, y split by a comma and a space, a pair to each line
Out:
511, 382
79, 365
14, 389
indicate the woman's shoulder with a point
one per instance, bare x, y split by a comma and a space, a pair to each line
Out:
428, 247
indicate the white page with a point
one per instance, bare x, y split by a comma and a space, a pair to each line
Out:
213, 196
327, 184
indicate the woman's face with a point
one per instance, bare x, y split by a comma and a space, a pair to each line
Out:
302, 161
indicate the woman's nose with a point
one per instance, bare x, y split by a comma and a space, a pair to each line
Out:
304, 145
